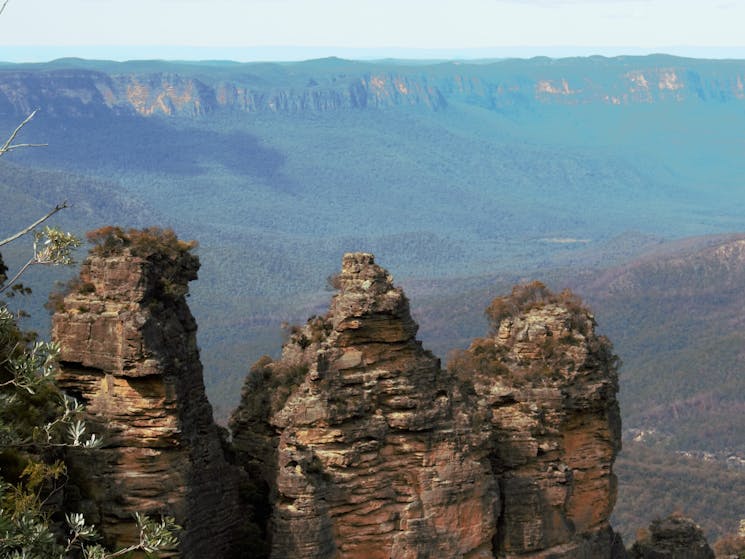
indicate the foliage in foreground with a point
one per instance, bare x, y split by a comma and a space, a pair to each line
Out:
36, 422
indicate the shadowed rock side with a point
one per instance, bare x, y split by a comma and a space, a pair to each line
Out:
542, 388
359, 435
129, 353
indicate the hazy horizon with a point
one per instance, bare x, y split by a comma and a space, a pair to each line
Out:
40, 54
260, 30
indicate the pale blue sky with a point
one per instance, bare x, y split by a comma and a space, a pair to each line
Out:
250, 29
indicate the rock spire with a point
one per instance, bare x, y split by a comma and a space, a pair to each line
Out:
129, 353
542, 396
367, 457
355, 443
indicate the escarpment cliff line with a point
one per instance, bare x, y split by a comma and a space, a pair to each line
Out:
129, 353
86, 89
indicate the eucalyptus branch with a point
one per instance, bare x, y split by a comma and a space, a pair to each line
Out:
35, 224
52, 247
9, 145
154, 537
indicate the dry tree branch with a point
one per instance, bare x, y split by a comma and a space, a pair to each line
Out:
38, 222
2, 8
9, 145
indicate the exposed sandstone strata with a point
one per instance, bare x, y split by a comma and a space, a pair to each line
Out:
356, 442
543, 398
184, 92
129, 353
369, 449
366, 455
674, 537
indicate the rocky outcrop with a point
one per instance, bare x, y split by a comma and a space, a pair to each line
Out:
674, 537
87, 93
355, 443
367, 448
376, 90
357, 431
542, 390
129, 353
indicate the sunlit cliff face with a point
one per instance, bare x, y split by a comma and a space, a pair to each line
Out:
171, 94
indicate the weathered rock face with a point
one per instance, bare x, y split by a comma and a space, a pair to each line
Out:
357, 431
320, 86
368, 449
129, 353
356, 443
542, 396
674, 537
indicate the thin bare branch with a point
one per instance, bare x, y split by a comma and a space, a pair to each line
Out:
9, 145
18, 275
18, 146
38, 222
2, 8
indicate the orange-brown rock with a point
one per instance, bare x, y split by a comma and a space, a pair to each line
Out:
357, 444
129, 353
542, 390
357, 433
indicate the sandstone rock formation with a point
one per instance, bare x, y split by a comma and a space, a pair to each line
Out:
674, 537
356, 432
542, 390
355, 443
129, 353
320, 86
367, 448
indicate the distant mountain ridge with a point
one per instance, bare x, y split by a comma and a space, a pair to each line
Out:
73, 87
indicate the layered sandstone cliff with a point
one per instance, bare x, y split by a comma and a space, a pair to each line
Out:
355, 443
163, 89
129, 353
369, 449
356, 426
542, 393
